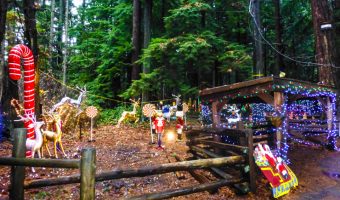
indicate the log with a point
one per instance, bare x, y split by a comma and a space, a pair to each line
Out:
186, 190
141, 172
240, 186
197, 175
204, 151
179, 175
240, 149
38, 162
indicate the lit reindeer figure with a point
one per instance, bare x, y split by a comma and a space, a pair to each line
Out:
130, 114
71, 101
235, 115
55, 137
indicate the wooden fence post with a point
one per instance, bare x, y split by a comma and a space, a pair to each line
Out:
251, 162
87, 174
18, 172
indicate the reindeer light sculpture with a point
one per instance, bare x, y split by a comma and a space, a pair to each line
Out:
130, 114
75, 102
55, 137
234, 117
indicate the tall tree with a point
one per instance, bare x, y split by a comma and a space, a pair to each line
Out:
278, 29
147, 38
50, 47
337, 41
258, 48
31, 35
3, 13
66, 44
135, 39
324, 40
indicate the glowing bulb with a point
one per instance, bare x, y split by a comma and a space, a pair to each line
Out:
170, 136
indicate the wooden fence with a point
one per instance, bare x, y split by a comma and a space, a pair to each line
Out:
207, 144
87, 176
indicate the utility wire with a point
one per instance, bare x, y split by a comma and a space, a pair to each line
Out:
276, 50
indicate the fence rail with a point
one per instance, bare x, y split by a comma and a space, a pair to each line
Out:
87, 176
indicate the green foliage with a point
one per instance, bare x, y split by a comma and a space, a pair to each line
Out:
147, 83
111, 116
41, 195
186, 19
195, 44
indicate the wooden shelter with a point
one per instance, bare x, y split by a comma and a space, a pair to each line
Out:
278, 92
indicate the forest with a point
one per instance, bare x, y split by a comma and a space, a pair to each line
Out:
151, 49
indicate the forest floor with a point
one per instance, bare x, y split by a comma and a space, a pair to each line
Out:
317, 169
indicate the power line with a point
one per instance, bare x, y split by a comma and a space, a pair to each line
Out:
279, 52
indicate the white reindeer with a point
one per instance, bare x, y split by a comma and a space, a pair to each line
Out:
71, 101
34, 145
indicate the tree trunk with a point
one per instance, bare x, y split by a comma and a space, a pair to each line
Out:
147, 37
324, 39
3, 12
65, 45
135, 40
278, 29
258, 49
31, 35
337, 43
60, 33
51, 33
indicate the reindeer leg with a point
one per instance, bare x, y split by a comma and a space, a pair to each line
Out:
39, 154
55, 148
121, 119
48, 150
33, 152
61, 147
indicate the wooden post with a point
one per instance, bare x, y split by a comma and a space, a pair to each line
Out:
329, 114
216, 116
251, 162
87, 174
18, 172
278, 102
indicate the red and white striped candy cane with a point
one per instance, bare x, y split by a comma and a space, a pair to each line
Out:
14, 63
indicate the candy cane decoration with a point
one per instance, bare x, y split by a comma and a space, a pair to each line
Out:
14, 63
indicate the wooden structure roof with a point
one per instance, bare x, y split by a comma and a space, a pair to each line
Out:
263, 87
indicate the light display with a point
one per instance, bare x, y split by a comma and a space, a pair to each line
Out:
308, 111
206, 116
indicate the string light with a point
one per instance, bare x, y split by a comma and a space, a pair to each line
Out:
304, 108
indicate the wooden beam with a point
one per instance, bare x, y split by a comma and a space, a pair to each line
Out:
141, 172
240, 149
38, 162
197, 175
269, 99
278, 102
251, 162
236, 86
215, 114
